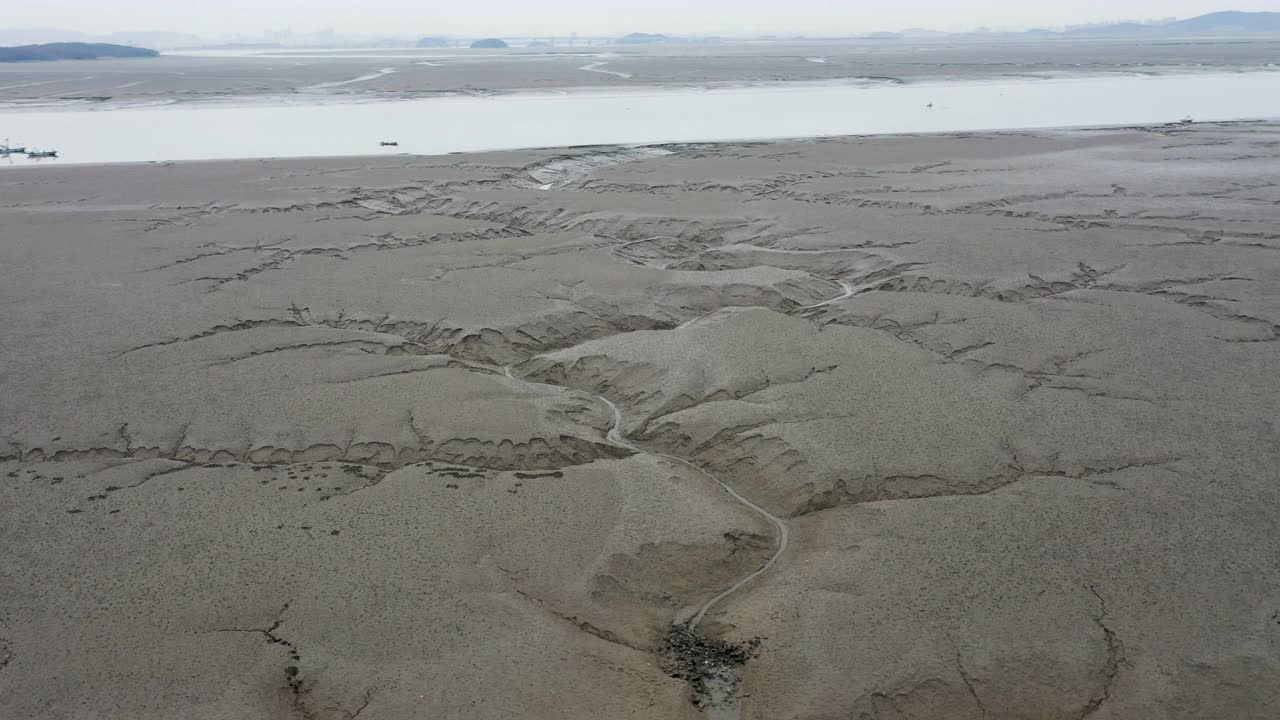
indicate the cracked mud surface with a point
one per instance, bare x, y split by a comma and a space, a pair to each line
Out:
1013, 394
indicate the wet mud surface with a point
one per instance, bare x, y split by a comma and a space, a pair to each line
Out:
505, 435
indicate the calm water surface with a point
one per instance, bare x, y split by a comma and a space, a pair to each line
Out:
256, 129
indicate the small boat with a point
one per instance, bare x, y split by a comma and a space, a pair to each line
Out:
1187, 120
42, 154
7, 149
390, 143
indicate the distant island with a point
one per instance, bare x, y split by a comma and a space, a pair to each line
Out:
642, 39
433, 42
490, 44
71, 51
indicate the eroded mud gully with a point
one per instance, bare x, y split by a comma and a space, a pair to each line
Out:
709, 665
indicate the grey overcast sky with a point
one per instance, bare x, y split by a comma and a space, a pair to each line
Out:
560, 17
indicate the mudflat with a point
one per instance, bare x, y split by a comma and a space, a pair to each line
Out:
477, 435
408, 73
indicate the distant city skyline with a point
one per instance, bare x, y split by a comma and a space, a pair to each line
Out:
559, 18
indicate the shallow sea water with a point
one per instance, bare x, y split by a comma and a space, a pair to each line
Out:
304, 127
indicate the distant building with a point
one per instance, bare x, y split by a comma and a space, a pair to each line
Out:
490, 44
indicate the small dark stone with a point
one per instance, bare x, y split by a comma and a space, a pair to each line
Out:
700, 660
335, 532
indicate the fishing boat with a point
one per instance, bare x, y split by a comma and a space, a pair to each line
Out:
390, 143
7, 149
42, 154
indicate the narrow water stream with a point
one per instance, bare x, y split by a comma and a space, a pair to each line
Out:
712, 674
709, 665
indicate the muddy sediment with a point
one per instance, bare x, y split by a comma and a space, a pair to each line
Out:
1009, 396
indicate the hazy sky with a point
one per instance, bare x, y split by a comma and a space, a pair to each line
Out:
559, 17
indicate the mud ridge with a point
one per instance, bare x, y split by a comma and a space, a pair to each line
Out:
716, 685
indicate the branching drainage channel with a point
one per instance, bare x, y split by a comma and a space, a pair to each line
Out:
709, 665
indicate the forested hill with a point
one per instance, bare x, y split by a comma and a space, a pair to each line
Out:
71, 51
